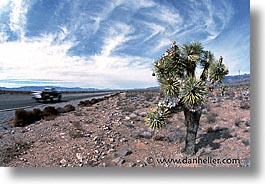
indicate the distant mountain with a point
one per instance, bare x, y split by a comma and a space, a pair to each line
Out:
40, 88
237, 79
229, 80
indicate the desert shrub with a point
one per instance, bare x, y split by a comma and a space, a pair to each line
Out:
60, 110
21, 118
24, 118
49, 112
37, 114
69, 108
85, 103
95, 100
88, 103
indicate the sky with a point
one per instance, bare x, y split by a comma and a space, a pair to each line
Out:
113, 43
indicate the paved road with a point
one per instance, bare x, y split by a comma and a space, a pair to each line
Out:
10, 102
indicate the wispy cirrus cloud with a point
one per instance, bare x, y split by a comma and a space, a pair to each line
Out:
109, 44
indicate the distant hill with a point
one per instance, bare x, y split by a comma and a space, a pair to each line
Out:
229, 80
237, 79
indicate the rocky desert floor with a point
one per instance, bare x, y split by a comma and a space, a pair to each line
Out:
112, 133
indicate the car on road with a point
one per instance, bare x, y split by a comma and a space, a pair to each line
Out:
47, 94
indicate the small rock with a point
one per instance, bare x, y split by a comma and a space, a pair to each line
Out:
114, 155
79, 156
119, 160
111, 150
247, 123
63, 161
159, 138
104, 164
143, 114
111, 139
96, 138
125, 152
133, 116
130, 125
123, 140
106, 128
144, 134
132, 164
246, 142
127, 118
217, 128
246, 129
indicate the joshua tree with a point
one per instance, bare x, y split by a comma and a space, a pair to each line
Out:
185, 91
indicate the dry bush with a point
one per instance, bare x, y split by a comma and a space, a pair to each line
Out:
88, 103
49, 113
60, 110
24, 118
69, 108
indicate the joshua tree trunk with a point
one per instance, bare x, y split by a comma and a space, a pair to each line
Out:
192, 123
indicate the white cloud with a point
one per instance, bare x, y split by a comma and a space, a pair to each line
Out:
154, 28
47, 57
166, 15
3, 3
3, 36
116, 36
18, 16
39, 59
209, 18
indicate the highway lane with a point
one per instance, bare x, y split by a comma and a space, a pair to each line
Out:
10, 102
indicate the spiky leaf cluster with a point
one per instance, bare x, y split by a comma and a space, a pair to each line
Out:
175, 71
156, 118
217, 71
193, 93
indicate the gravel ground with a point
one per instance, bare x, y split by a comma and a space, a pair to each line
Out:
113, 133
